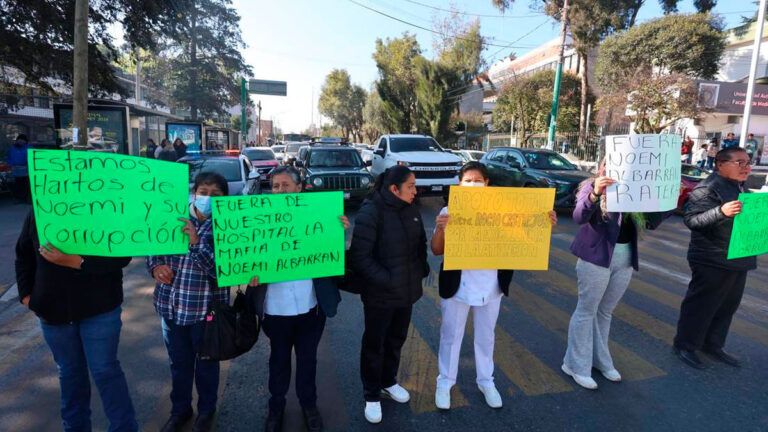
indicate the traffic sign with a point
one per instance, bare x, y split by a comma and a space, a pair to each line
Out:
266, 87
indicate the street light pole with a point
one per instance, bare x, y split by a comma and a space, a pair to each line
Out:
752, 74
80, 74
243, 112
558, 77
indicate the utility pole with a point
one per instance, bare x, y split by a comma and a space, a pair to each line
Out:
752, 74
258, 137
137, 86
80, 74
243, 112
558, 77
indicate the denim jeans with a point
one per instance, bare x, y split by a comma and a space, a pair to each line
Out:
90, 345
182, 343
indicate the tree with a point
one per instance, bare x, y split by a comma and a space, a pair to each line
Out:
375, 121
654, 63
234, 123
36, 39
343, 103
528, 100
434, 105
459, 45
396, 61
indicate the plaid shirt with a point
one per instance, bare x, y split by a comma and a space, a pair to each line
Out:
186, 300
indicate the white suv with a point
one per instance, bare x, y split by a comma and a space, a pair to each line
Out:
435, 168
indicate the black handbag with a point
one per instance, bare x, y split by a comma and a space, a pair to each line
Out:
229, 331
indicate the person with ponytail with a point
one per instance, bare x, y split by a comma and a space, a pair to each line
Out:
389, 255
606, 245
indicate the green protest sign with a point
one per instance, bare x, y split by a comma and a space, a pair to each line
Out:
107, 204
750, 227
278, 237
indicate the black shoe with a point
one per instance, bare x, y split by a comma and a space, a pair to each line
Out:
204, 422
176, 422
312, 419
690, 358
274, 422
723, 357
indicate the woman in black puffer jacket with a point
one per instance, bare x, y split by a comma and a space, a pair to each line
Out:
389, 257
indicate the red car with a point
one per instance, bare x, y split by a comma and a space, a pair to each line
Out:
690, 176
264, 160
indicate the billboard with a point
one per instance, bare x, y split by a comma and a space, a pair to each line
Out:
190, 133
730, 97
108, 128
217, 139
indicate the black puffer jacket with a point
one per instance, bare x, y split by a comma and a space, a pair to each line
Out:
389, 252
710, 228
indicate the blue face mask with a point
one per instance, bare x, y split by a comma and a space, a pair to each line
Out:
203, 205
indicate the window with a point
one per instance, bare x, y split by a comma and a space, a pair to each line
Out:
498, 156
259, 154
383, 144
548, 161
335, 158
229, 168
515, 158
414, 144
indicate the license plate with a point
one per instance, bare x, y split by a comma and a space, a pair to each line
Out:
347, 195
437, 188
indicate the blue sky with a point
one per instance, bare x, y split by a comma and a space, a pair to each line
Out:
301, 41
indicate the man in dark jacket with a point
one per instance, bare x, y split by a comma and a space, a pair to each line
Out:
717, 283
77, 299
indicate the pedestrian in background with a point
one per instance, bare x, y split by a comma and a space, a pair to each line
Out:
751, 147
165, 151
180, 148
293, 316
151, 147
17, 159
712, 150
460, 291
389, 256
606, 245
717, 283
730, 141
78, 301
686, 149
700, 157
186, 287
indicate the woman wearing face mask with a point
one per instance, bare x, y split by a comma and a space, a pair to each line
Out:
389, 255
462, 290
185, 287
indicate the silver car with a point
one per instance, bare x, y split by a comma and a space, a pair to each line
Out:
241, 177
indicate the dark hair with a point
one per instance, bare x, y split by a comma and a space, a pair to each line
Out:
291, 171
727, 154
22, 137
150, 140
396, 175
211, 179
164, 141
474, 166
703, 146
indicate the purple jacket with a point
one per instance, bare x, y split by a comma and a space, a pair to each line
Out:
597, 236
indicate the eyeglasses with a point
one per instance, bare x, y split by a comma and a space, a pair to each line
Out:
740, 163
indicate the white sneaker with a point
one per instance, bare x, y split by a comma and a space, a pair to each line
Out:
611, 375
585, 381
492, 396
373, 412
397, 393
443, 398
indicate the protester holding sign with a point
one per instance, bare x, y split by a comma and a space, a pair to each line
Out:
293, 316
606, 245
462, 290
78, 298
186, 286
389, 256
717, 283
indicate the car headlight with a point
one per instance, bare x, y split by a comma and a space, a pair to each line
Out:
403, 163
317, 181
365, 181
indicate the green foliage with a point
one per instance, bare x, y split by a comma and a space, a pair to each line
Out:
396, 61
343, 103
528, 100
234, 123
434, 104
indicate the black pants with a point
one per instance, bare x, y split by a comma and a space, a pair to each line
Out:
20, 189
713, 296
386, 330
301, 333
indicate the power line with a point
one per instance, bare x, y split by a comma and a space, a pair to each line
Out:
423, 28
470, 14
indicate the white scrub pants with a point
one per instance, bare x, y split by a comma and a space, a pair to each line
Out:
454, 319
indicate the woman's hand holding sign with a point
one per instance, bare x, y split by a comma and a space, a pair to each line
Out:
55, 256
190, 230
344, 221
601, 183
441, 221
163, 274
731, 208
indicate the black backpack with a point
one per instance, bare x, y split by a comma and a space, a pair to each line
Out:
229, 331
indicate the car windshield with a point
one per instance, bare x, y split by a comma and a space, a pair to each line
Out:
548, 161
693, 171
259, 154
413, 144
293, 148
278, 148
476, 155
228, 168
335, 158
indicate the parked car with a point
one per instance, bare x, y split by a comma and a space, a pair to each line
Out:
512, 166
279, 150
690, 176
335, 168
264, 161
241, 176
292, 151
469, 155
436, 169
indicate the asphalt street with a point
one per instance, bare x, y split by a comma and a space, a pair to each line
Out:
659, 393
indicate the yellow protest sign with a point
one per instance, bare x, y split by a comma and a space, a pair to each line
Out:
498, 228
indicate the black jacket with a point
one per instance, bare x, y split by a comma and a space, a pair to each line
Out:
710, 228
61, 295
389, 252
326, 292
449, 281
